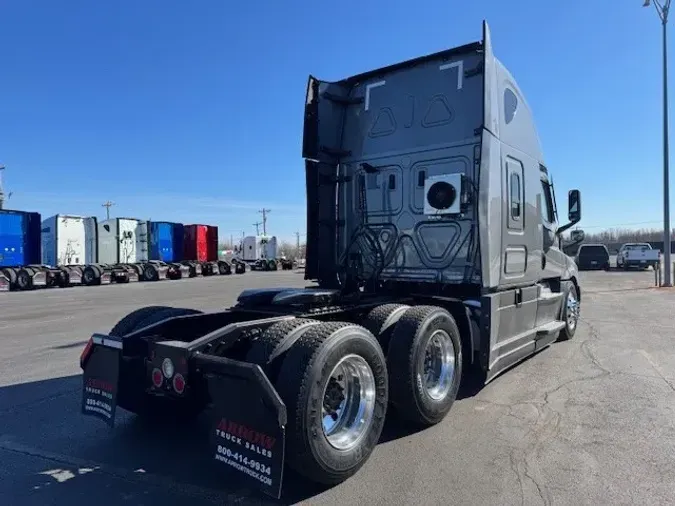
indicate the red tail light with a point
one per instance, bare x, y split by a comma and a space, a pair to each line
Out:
157, 377
179, 383
86, 352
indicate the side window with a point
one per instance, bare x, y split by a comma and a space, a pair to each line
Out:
547, 204
516, 202
515, 194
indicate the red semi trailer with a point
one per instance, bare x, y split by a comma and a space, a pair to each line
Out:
201, 248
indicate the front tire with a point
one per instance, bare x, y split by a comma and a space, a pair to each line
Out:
334, 383
424, 364
570, 311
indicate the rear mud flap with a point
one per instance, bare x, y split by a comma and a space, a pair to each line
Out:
183, 271
39, 279
162, 272
74, 276
4, 283
248, 422
100, 379
106, 277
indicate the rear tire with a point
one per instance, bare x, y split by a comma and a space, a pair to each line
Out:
130, 322
425, 343
382, 320
150, 273
269, 350
24, 281
327, 354
89, 275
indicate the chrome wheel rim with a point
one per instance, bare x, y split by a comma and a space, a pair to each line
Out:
438, 368
348, 402
572, 311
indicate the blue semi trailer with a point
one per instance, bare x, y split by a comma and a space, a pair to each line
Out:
166, 240
21, 253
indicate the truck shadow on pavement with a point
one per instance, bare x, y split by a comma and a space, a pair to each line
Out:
54, 455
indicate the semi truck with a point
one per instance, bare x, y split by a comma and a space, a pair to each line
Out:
261, 253
434, 253
70, 243
201, 252
124, 243
20, 258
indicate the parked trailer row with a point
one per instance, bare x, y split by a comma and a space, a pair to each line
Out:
67, 250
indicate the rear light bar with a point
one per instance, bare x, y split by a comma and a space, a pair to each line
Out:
178, 383
157, 378
168, 368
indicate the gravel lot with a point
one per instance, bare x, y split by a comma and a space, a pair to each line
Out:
591, 421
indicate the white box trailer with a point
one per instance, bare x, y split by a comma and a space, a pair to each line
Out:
69, 240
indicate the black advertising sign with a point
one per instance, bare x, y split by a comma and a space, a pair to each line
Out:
245, 434
99, 383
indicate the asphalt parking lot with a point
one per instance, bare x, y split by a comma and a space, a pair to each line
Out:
590, 421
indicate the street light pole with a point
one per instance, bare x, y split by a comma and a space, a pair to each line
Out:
662, 9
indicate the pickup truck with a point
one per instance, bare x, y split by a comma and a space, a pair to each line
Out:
639, 255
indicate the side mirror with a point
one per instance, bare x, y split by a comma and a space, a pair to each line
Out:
577, 235
574, 206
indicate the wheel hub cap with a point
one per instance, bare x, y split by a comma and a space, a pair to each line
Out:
348, 402
438, 368
572, 311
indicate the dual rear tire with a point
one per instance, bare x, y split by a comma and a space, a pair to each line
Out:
337, 382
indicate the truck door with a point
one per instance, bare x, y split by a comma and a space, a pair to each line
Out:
513, 242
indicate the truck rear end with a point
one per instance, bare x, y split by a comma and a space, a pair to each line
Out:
135, 368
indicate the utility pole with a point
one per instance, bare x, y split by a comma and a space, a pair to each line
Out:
107, 206
257, 227
264, 222
662, 7
2, 193
297, 244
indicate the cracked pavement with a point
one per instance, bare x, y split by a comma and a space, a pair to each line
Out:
585, 422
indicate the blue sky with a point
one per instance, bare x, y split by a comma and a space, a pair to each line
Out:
192, 111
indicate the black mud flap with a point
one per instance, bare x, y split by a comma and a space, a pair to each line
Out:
100, 378
248, 424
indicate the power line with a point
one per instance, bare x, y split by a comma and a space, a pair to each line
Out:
584, 227
264, 222
107, 206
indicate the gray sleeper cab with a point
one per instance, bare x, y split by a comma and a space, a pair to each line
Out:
430, 174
